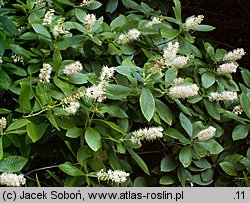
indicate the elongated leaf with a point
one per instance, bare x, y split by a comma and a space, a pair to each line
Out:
139, 161
204, 28
18, 124
5, 80
52, 119
147, 103
164, 112
208, 79
12, 164
24, 99
171, 132
168, 163
166, 180
245, 103
33, 132
186, 124
240, 132
110, 124
93, 138
71, 170
41, 30
169, 33
229, 168
74, 132
1, 148
211, 145
185, 156
211, 109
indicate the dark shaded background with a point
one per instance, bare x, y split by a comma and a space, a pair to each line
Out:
231, 19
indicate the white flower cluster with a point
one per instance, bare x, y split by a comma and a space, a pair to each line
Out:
183, 91
72, 68
234, 55
97, 92
12, 180
192, 22
148, 134
89, 21
178, 81
58, 28
1, 59
116, 176
171, 58
72, 107
3, 123
21, 29
206, 134
223, 96
85, 3
227, 68
48, 17
45, 73
16, 58
38, 2
154, 21
128, 37
238, 110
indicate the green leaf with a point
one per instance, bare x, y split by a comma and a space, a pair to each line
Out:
204, 28
164, 112
94, 5
169, 33
21, 51
183, 108
84, 153
229, 168
12, 164
80, 14
52, 119
246, 76
245, 103
18, 124
1, 148
5, 80
147, 103
113, 159
240, 132
168, 163
170, 75
41, 30
186, 124
114, 111
211, 109
166, 180
185, 156
177, 10
33, 132
74, 132
113, 50
24, 99
208, 79
110, 124
111, 6
173, 133
64, 86
211, 145
71, 170
78, 78
139, 161
207, 175
93, 139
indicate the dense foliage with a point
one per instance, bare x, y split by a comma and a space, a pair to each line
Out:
119, 93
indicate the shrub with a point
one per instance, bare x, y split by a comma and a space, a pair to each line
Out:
132, 97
